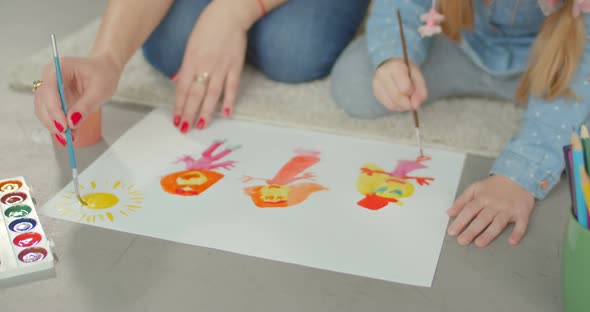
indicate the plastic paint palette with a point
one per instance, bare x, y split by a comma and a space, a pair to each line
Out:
25, 252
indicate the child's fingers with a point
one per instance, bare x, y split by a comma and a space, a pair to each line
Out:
519, 231
481, 222
402, 79
461, 201
382, 95
465, 217
498, 225
399, 102
421, 91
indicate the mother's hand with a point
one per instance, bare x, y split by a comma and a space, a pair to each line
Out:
212, 65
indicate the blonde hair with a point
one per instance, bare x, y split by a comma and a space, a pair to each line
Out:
555, 55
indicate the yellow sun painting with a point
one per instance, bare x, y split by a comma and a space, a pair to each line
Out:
104, 202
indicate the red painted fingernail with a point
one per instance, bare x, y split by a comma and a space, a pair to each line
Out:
226, 111
201, 123
173, 78
58, 126
61, 139
76, 118
184, 127
176, 121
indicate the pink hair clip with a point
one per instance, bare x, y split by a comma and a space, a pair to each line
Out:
432, 20
580, 6
551, 6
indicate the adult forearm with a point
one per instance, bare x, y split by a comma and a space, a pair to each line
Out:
125, 25
249, 11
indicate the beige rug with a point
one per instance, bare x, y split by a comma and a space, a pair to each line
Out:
477, 126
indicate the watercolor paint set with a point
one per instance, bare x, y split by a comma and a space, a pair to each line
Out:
25, 250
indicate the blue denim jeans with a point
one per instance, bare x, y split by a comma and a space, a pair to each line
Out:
296, 42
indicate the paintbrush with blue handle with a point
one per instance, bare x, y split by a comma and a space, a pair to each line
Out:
68, 131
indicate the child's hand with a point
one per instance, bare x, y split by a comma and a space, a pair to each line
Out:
491, 204
393, 89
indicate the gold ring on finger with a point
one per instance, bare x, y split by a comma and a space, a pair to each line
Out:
202, 78
37, 84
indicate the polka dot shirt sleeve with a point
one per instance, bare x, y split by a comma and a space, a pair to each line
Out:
534, 156
383, 36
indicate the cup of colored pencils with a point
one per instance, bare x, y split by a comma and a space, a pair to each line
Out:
575, 262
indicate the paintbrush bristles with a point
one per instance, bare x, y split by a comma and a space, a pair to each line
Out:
584, 132
576, 143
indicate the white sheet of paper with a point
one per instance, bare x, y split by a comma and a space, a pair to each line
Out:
328, 230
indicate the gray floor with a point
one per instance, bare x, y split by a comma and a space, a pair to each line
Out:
102, 270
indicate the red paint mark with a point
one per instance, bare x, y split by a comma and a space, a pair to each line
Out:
374, 202
227, 112
27, 239
423, 158
184, 127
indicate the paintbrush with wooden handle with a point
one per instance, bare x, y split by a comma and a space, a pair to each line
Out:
414, 112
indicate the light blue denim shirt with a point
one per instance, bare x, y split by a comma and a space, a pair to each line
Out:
500, 44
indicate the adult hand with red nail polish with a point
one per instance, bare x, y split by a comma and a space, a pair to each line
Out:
215, 47
87, 83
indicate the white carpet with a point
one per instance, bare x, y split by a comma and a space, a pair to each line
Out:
473, 125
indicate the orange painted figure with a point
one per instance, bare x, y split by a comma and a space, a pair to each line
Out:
280, 191
199, 174
381, 188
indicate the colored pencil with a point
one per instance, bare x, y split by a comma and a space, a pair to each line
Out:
567, 156
585, 146
585, 184
578, 161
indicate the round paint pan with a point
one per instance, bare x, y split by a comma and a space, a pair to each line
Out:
13, 198
22, 225
18, 211
27, 239
10, 186
33, 254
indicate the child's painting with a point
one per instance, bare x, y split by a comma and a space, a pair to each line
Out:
337, 203
198, 175
290, 186
381, 187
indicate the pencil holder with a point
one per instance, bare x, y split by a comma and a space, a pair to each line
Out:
575, 267
90, 130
